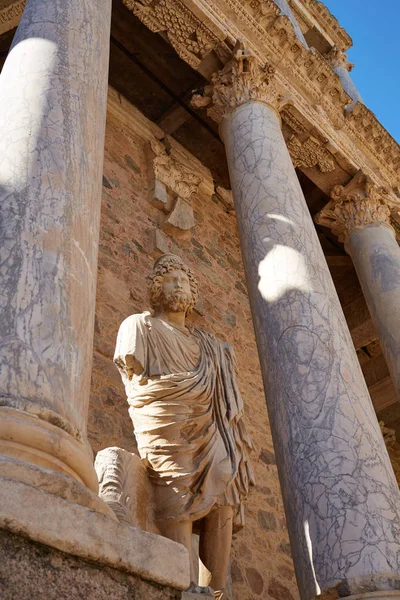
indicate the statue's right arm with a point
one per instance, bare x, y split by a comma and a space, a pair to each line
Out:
130, 350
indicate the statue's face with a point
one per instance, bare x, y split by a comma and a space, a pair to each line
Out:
176, 292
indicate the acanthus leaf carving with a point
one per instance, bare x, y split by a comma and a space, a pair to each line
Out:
359, 204
191, 38
310, 154
243, 79
172, 173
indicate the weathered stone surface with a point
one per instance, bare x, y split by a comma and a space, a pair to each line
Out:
376, 257
71, 528
267, 520
197, 596
181, 217
124, 485
278, 591
267, 457
129, 217
53, 99
255, 580
33, 571
322, 417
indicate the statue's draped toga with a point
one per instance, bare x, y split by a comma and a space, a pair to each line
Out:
187, 414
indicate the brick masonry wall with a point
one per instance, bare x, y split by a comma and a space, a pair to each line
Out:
261, 561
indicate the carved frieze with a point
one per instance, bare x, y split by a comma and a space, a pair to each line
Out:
194, 32
310, 154
241, 80
354, 206
329, 23
172, 173
10, 15
191, 39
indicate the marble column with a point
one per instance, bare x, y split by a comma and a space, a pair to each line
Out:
53, 94
341, 499
360, 216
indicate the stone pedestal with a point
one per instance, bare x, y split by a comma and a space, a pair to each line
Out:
53, 548
341, 499
53, 91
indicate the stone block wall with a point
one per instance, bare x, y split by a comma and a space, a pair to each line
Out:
134, 229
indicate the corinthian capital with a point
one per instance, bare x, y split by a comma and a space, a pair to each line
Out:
354, 206
241, 80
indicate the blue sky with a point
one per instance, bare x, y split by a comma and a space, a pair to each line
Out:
374, 26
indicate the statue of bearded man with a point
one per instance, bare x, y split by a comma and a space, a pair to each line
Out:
187, 413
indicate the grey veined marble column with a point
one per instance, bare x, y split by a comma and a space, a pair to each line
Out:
341, 499
360, 216
53, 91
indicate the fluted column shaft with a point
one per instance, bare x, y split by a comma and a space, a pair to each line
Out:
53, 93
340, 495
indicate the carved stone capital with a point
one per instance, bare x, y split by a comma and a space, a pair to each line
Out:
359, 204
241, 80
310, 153
337, 58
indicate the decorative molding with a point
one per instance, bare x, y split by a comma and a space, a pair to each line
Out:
356, 205
197, 27
241, 80
191, 38
10, 15
389, 434
173, 174
292, 121
328, 22
337, 58
363, 124
396, 226
310, 154
310, 78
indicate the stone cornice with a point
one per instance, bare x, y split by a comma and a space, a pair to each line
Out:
357, 205
195, 28
327, 21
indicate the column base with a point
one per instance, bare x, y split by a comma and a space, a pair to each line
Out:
53, 482
29, 439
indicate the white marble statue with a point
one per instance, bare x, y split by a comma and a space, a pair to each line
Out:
187, 414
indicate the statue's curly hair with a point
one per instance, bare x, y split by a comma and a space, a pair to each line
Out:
163, 265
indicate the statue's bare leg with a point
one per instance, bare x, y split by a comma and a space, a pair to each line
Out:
215, 546
181, 532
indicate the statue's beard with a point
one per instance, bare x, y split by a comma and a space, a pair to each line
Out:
177, 301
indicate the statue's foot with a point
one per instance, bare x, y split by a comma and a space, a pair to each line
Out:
219, 595
199, 589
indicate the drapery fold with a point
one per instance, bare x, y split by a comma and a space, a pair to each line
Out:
187, 414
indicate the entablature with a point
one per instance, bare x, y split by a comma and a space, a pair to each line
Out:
312, 13
204, 33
